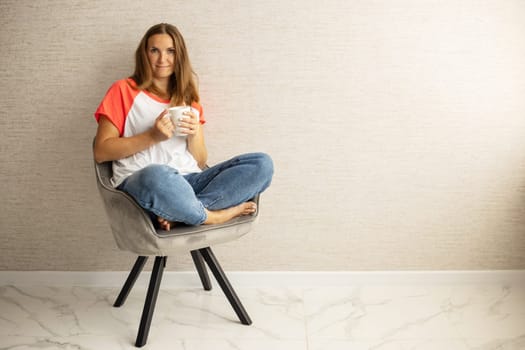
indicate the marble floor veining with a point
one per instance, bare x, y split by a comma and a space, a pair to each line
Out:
379, 317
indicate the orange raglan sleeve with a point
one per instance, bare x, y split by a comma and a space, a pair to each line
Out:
198, 107
116, 104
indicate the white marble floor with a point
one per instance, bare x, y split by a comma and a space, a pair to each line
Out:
382, 317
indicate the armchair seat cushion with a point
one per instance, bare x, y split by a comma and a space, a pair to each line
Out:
134, 232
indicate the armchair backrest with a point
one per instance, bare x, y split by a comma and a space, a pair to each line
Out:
133, 229
131, 226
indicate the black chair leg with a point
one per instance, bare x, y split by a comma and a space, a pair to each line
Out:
201, 269
130, 281
217, 271
151, 299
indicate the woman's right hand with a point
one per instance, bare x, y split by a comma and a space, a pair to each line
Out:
110, 145
163, 128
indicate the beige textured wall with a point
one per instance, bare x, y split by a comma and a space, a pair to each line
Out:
397, 128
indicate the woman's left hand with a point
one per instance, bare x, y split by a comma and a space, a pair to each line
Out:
190, 124
195, 140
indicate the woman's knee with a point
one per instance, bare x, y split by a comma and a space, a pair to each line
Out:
264, 162
163, 191
264, 165
153, 176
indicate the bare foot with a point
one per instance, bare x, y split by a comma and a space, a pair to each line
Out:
223, 215
216, 216
165, 224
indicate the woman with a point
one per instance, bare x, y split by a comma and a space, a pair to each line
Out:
160, 170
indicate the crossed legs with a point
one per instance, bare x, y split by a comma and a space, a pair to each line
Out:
213, 196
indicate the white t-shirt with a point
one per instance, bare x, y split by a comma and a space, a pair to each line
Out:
133, 112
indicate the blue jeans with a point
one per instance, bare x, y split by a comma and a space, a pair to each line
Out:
164, 192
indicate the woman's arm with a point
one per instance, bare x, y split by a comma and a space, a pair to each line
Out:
110, 146
197, 146
195, 141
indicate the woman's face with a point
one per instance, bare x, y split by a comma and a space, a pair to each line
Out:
161, 55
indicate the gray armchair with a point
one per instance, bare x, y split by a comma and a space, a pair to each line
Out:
133, 231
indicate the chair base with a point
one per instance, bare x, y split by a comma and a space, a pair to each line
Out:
199, 257
201, 269
226, 287
130, 281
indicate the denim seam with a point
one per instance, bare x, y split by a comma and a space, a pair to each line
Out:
208, 205
168, 217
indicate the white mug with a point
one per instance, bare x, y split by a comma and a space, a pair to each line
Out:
176, 115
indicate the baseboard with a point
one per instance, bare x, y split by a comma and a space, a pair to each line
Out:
261, 279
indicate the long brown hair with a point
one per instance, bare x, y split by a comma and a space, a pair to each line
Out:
182, 86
